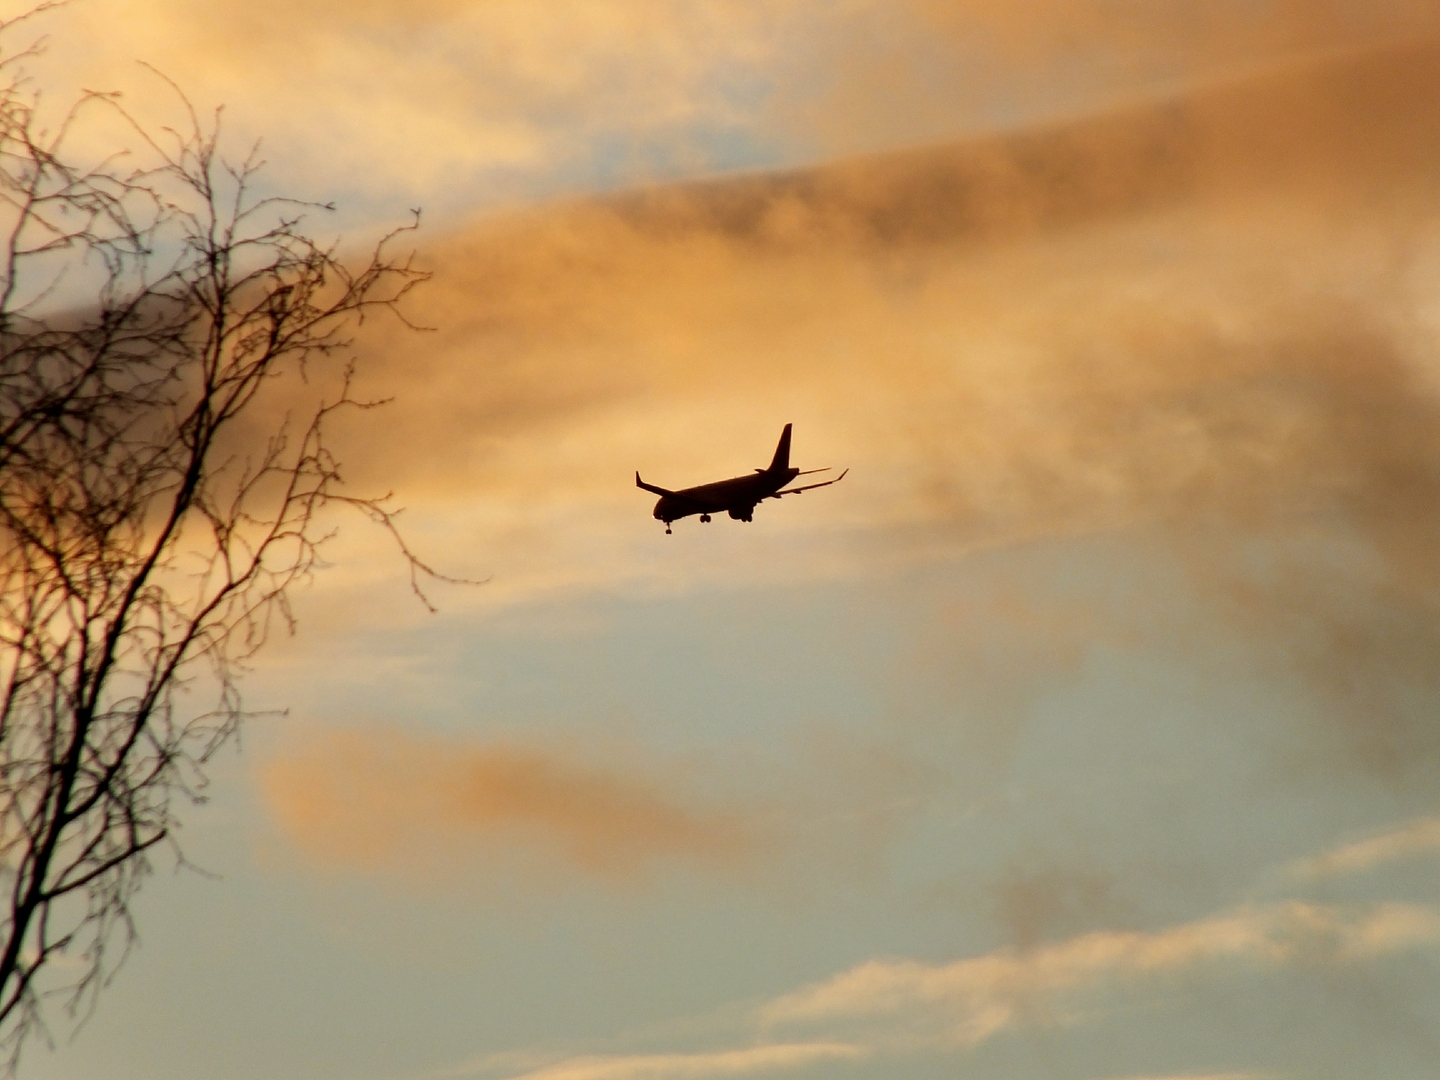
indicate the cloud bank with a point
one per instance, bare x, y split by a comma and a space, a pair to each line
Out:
458, 103
1206, 328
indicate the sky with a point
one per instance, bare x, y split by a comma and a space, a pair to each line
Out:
1086, 731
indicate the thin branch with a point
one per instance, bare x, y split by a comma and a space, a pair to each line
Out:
142, 547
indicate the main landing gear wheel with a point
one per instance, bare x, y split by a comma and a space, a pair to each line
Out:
705, 518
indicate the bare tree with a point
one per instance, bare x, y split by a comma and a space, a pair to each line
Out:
160, 324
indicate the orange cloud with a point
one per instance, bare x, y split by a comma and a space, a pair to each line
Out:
1108, 314
1230, 28
920, 70
910, 270
386, 800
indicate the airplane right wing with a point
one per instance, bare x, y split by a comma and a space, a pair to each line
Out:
807, 487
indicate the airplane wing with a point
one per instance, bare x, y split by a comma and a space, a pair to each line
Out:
807, 487
670, 494
657, 490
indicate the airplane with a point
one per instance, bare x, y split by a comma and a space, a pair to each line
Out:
737, 496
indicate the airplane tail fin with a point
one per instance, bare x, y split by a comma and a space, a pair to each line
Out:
781, 460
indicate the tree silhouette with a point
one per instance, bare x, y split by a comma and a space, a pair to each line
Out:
160, 325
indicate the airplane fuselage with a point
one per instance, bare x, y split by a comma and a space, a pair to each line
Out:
736, 496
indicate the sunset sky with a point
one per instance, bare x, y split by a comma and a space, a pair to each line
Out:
1087, 731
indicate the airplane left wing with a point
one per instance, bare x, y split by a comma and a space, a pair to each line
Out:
657, 490
807, 487
678, 495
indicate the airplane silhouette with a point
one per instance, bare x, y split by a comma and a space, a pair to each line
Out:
737, 496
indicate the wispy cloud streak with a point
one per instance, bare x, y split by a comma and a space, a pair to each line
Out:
983, 995
1413, 840
892, 1007
772, 1057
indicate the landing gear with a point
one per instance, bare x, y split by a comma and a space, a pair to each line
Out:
705, 518
667, 528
